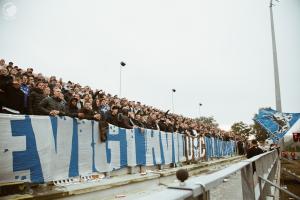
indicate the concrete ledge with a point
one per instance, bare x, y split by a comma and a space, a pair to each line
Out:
53, 192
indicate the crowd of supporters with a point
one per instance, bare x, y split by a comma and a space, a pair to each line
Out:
26, 92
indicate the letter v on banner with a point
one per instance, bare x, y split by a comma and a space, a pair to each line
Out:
55, 154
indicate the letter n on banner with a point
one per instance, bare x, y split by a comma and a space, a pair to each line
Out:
153, 151
166, 140
175, 155
208, 147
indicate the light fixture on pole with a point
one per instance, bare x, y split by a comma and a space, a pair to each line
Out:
200, 104
275, 62
122, 64
173, 91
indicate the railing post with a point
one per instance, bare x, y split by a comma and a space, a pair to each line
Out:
205, 194
247, 182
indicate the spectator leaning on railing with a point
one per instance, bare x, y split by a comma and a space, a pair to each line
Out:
52, 105
36, 96
12, 98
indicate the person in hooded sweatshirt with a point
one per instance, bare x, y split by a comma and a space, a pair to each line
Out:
35, 97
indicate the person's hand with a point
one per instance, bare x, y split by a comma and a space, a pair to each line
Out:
52, 113
80, 115
97, 116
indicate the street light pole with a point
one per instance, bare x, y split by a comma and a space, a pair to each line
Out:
173, 91
275, 62
122, 64
200, 104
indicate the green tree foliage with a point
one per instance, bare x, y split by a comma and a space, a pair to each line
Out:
260, 133
242, 129
210, 121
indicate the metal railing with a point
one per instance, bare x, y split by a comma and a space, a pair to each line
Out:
278, 187
253, 188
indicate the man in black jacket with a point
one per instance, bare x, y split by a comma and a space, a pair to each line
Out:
72, 108
12, 98
87, 112
35, 97
254, 150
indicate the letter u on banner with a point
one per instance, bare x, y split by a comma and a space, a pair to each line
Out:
189, 148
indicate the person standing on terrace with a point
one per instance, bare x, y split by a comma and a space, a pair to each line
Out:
52, 105
26, 90
36, 96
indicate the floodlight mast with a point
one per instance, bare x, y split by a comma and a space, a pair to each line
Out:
275, 62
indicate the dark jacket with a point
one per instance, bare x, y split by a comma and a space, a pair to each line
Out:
5, 81
72, 111
162, 125
51, 103
12, 98
254, 151
112, 119
88, 114
36, 96
240, 148
151, 124
124, 122
137, 123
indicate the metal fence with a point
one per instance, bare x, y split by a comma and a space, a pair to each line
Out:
253, 172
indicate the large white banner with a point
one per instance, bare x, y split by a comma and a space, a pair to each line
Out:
42, 148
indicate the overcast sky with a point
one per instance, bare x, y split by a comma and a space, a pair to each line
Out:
215, 52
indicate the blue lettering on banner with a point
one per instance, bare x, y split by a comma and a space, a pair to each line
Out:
93, 146
54, 129
152, 147
153, 152
140, 146
29, 159
161, 149
173, 148
121, 138
73, 169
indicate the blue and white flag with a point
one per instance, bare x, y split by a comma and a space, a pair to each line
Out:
276, 123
